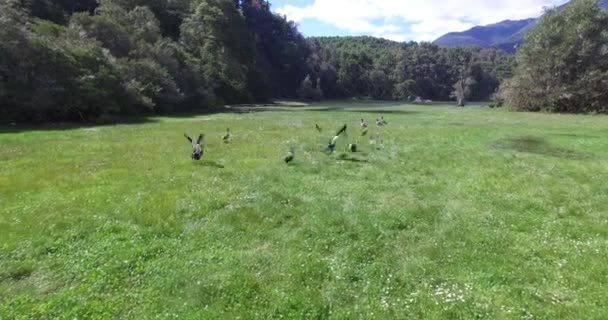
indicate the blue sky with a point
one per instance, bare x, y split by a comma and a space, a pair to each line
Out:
310, 27
403, 20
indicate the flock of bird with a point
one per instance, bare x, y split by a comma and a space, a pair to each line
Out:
198, 144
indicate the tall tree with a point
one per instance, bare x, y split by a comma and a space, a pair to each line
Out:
464, 83
563, 66
282, 53
216, 33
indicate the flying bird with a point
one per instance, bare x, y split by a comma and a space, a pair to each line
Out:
331, 145
197, 146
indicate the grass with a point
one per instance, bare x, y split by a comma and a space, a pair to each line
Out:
463, 214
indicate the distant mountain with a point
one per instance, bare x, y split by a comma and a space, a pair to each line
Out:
506, 35
503, 34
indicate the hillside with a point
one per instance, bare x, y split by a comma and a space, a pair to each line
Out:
506, 35
505, 32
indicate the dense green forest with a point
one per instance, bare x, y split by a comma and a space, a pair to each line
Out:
382, 69
82, 60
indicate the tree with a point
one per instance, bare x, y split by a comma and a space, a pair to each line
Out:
14, 52
133, 38
404, 90
216, 33
283, 56
380, 85
462, 90
58, 11
563, 66
308, 92
410, 69
85, 59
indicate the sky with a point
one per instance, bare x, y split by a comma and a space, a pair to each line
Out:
403, 20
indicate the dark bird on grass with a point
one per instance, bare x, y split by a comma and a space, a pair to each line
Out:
352, 147
318, 128
228, 136
363, 124
383, 121
197, 146
290, 156
331, 145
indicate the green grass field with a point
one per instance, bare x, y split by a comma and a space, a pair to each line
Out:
462, 214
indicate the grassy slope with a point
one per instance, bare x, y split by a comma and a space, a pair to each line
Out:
465, 213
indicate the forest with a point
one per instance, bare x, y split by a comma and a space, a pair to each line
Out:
85, 60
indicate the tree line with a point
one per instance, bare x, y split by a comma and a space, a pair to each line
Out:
383, 69
85, 59
82, 60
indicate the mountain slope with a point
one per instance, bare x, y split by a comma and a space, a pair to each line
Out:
486, 36
506, 35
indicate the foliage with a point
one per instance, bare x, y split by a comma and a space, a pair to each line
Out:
79, 60
563, 67
383, 69
283, 56
216, 34
462, 90
58, 11
150, 56
52, 73
308, 92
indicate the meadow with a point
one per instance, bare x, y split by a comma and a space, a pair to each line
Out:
470, 213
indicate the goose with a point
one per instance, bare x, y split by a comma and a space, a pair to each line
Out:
363, 124
331, 145
318, 128
383, 121
290, 156
197, 146
379, 123
228, 136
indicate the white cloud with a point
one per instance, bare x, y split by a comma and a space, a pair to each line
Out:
413, 19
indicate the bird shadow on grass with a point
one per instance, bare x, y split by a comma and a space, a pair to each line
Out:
371, 108
66, 126
575, 135
378, 110
351, 158
537, 145
211, 164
